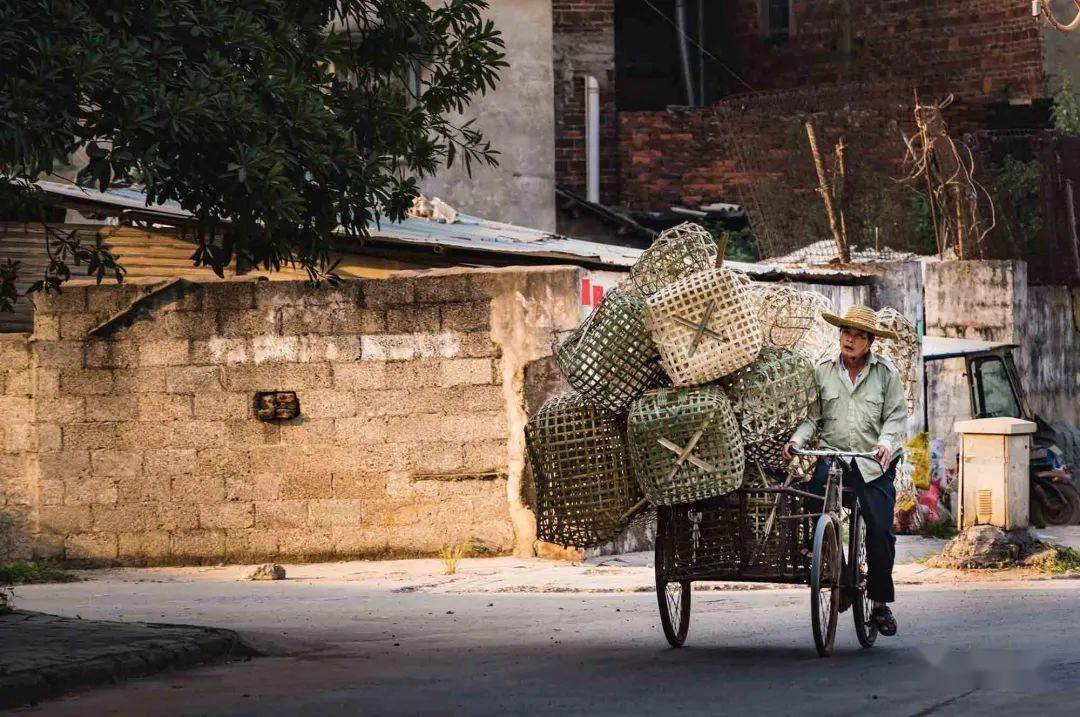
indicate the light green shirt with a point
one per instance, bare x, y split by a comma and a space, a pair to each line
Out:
859, 415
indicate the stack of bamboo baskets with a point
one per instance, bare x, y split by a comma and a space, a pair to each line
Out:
687, 380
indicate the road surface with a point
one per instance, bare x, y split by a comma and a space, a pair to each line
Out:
341, 647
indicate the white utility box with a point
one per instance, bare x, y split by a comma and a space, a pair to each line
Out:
994, 486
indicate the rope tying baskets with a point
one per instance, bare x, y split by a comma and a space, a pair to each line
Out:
902, 351
685, 444
786, 315
610, 358
770, 398
581, 468
676, 252
704, 326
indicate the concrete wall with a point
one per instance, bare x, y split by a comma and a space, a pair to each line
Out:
410, 435
992, 300
519, 121
1049, 335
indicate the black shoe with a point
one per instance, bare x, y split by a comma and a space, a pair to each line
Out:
883, 619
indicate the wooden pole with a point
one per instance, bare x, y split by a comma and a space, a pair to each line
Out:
823, 189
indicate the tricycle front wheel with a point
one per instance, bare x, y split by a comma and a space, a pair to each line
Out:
825, 571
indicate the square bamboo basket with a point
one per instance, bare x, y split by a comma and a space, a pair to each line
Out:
582, 472
677, 252
610, 358
704, 326
685, 444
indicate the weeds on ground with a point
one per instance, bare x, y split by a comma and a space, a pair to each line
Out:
451, 554
945, 529
30, 573
1058, 560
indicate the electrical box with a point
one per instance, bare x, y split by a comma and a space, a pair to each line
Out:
994, 485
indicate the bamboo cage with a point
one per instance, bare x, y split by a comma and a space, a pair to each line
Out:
685, 444
903, 351
770, 398
786, 314
821, 339
610, 358
581, 468
677, 252
704, 326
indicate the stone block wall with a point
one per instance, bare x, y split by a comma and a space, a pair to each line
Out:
410, 433
17, 440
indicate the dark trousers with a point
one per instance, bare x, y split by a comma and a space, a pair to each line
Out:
876, 502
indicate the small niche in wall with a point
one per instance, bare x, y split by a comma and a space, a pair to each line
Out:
276, 405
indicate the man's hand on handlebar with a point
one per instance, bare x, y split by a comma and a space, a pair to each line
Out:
786, 450
882, 454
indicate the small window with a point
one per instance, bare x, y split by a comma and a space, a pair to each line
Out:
776, 18
994, 396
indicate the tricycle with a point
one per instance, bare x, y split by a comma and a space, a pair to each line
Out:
780, 534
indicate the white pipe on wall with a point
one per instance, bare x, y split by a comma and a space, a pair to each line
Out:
592, 139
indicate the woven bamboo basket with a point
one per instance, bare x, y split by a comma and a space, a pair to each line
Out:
821, 339
704, 326
770, 398
902, 351
677, 252
685, 444
582, 472
610, 358
786, 314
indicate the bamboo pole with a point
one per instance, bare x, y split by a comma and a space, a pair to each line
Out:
823, 189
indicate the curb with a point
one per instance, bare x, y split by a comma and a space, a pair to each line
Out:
206, 645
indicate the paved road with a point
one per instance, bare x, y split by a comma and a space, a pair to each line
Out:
346, 648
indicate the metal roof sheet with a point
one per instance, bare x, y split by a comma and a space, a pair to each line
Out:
935, 348
468, 232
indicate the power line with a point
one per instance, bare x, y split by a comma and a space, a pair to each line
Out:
694, 42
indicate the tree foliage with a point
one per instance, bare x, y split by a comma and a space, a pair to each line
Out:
275, 122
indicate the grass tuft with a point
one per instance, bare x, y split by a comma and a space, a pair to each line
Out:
1058, 560
30, 573
945, 529
451, 554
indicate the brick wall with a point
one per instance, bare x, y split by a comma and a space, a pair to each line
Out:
584, 44
982, 52
409, 436
16, 447
989, 49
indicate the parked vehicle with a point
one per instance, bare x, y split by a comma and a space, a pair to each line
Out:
995, 389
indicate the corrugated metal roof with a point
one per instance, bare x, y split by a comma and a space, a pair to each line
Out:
468, 233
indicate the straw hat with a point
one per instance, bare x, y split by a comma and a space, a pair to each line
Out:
858, 317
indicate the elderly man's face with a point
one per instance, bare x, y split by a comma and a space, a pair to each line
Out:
854, 344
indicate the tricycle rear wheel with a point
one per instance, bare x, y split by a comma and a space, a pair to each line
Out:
673, 597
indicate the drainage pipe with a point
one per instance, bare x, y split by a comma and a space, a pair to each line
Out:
684, 52
592, 139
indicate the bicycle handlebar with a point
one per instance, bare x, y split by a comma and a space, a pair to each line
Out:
833, 454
